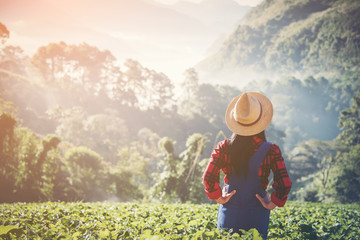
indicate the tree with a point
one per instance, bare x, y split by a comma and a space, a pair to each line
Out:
311, 156
37, 166
147, 145
102, 132
190, 186
69, 66
131, 175
165, 188
50, 60
12, 59
7, 161
28, 163
188, 104
180, 176
71, 124
151, 89
88, 175
349, 123
4, 32
348, 164
105, 133
348, 176
335, 164
119, 87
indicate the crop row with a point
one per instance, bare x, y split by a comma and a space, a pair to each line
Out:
59, 220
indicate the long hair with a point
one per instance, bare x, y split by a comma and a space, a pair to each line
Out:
241, 151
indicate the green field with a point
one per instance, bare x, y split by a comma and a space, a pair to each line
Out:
57, 220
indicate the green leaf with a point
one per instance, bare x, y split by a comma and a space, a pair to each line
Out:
4, 230
256, 234
76, 235
104, 233
193, 222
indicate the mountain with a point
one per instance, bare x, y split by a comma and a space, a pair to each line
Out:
290, 37
221, 15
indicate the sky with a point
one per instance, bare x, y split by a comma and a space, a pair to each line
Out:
252, 3
128, 28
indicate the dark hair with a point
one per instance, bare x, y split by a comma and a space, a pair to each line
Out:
241, 151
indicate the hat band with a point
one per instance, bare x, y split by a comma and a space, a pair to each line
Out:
253, 123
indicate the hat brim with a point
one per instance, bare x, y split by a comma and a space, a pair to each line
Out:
259, 126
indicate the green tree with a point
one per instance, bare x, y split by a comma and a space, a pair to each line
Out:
307, 157
190, 186
69, 66
71, 124
88, 175
102, 132
165, 188
348, 179
348, 164
147, 145
131, 175
13, 59
105, 133
349, 123
49, 60
28, 162
311, 168
37, 166
188, 104
151, 89
180, 176
7, 161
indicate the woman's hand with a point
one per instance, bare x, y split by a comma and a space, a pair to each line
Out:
225, 196
266, 201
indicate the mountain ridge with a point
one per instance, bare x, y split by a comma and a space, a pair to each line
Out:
297, 39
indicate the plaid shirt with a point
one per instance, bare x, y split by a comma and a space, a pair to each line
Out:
220, 159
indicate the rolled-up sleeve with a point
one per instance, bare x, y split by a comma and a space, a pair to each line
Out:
282, 183
212, 173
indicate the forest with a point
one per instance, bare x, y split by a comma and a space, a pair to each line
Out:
293, 38
77, 125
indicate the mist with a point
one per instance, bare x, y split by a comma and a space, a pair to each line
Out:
118, 95
168, 38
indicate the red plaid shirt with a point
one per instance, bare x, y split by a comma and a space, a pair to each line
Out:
220, 159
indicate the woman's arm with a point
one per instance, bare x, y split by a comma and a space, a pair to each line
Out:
212, 173
266, 201
225, 196
282, 183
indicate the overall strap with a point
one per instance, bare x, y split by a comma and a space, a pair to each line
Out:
259, 156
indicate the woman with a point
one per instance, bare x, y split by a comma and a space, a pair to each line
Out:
246, 159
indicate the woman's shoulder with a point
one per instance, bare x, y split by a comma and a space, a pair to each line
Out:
274, 148
223, 143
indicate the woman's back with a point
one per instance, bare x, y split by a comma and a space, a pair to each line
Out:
246, 159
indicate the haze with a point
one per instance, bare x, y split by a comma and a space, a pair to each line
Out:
166, 37
169, 38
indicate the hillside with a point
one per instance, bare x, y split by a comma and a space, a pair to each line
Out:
216, 14
296, 37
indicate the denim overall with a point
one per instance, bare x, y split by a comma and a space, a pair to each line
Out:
244, 210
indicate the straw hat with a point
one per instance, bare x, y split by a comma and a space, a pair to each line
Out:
249, 114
